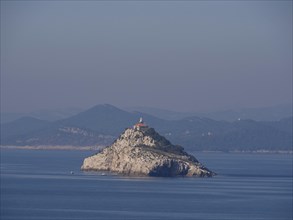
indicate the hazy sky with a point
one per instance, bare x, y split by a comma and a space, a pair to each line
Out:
187, 56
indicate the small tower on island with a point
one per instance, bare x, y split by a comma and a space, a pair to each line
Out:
140, 125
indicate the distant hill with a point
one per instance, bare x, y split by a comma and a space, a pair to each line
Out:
101, 124
46, 115
243, 135
272, 113
105, 119
22, 126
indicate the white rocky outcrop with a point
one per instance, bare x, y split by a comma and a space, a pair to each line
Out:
145, 153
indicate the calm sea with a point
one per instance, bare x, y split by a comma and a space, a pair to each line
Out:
38, 184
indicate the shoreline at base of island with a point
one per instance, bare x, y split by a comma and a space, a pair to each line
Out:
98, 148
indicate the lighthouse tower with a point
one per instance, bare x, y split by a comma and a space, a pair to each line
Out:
140, 125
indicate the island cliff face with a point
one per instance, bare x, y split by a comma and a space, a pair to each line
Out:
141, 151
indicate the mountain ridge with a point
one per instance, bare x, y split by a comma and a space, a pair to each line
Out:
100, 125
269, 113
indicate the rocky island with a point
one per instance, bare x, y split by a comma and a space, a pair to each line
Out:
141, 151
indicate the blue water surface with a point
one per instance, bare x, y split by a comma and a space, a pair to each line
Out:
39, 184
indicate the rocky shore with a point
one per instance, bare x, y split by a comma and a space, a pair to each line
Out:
141, 151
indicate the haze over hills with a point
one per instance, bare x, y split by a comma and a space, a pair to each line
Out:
270, 113
47, 115
23, 126
101, 124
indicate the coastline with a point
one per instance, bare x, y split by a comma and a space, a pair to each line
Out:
98, 148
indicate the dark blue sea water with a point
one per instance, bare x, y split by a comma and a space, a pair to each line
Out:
37, 184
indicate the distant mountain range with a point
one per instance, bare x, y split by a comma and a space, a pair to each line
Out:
101, 124
271, 113
47, 115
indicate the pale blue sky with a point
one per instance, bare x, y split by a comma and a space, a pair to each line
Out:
185, 56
